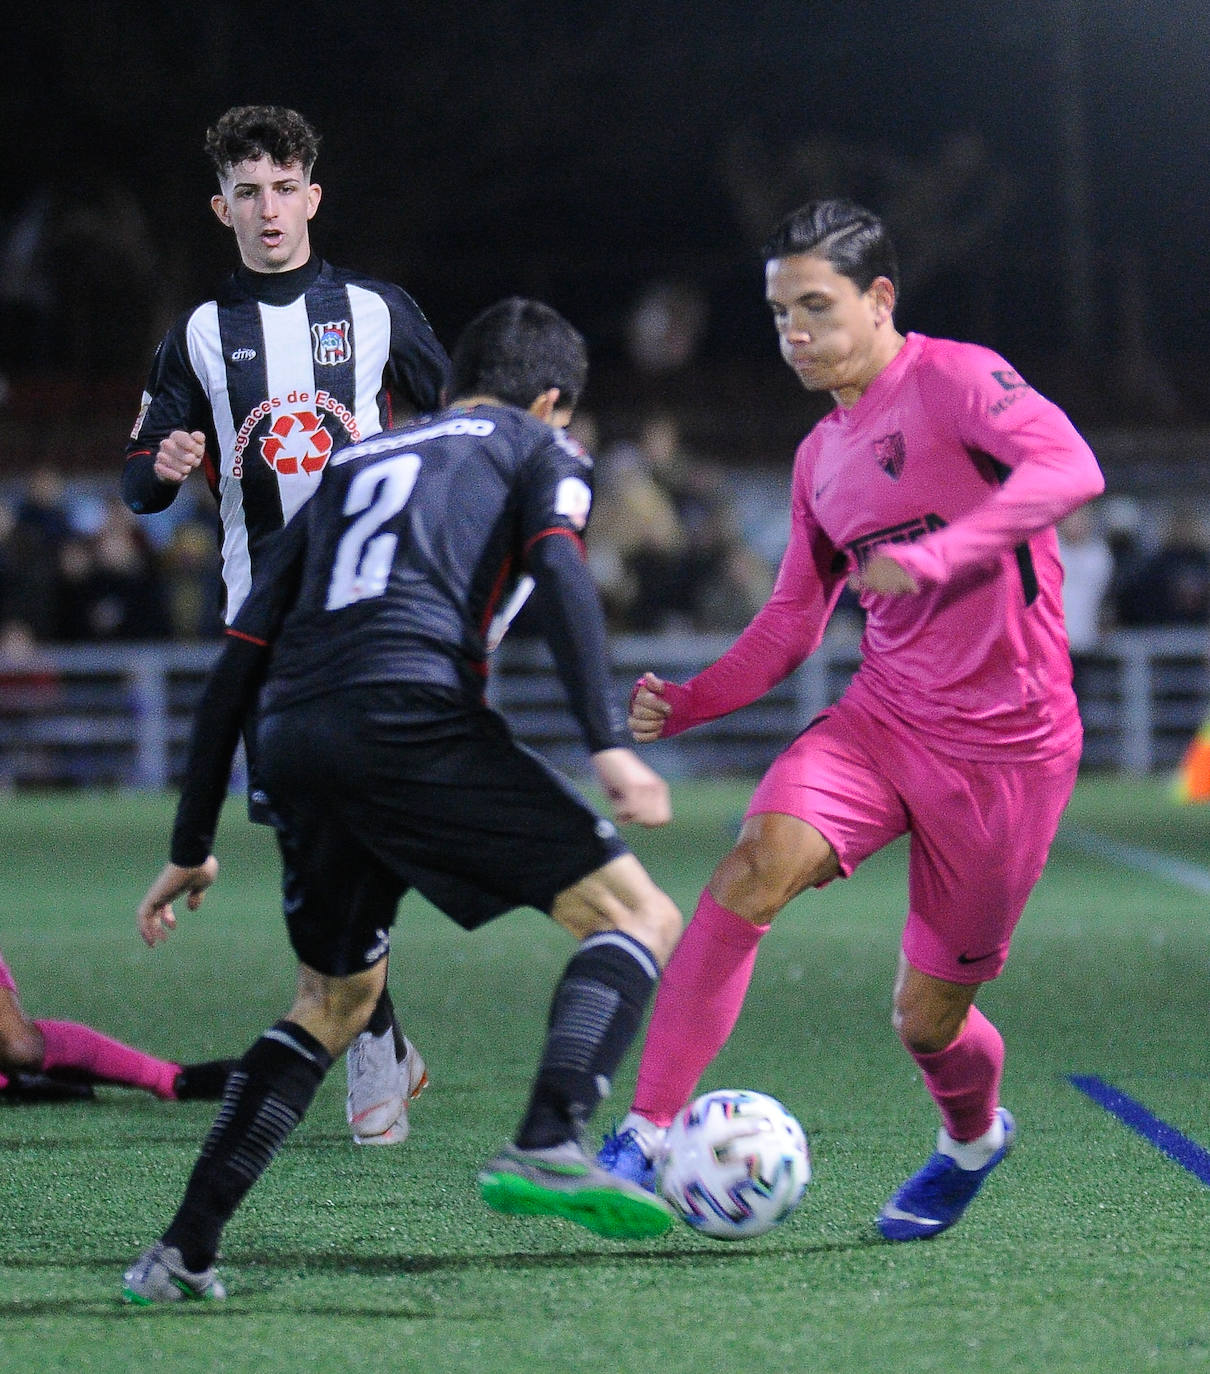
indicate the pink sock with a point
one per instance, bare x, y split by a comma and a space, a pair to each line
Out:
86, 1051
699, 999
964, 1078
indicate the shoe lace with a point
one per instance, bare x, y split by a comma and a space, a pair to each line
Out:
619, 1143
613, 1145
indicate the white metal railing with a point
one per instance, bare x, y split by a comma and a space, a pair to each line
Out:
120, 715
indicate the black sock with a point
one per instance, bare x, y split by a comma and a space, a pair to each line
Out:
203, 1082
594, 1016
267, 1093
382, 1019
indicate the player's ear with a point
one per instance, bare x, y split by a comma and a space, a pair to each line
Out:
544, 405
220, 207
882, 292
314, 196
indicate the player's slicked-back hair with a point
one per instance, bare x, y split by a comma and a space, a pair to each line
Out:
247, 133
852, 239
517, 349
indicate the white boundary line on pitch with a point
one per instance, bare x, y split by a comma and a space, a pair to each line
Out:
1149, 861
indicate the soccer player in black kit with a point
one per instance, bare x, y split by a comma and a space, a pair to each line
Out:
367, 639
293, 360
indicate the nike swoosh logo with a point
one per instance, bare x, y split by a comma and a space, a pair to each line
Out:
976, 958
893, 1213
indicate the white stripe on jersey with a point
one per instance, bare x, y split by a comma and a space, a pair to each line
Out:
284, 327
293, 380
206, 358
372, 345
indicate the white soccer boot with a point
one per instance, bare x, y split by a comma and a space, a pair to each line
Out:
380, 1089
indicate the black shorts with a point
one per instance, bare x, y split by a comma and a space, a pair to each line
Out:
373, 796
259, 810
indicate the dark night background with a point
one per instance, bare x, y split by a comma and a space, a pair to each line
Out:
1043, 165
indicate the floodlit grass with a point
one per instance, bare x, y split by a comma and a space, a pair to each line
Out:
1087, 1251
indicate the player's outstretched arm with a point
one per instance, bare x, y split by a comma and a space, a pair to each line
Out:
635, 792
156, 917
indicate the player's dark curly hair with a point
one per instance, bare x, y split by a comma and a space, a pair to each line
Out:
249, 132
517, 349
854, 240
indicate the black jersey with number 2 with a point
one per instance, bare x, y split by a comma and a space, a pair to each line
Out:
396, 568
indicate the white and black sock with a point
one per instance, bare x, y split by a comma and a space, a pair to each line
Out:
595, 1014
266, 1096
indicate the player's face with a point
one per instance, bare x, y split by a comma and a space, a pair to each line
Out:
835, 336
269, 208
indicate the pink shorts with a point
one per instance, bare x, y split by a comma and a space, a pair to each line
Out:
980, 831
6, 978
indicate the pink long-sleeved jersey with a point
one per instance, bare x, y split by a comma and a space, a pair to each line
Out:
959, 470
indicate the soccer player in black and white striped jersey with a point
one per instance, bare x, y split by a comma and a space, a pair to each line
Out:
258, 387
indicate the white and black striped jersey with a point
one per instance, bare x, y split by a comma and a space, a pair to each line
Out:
279, 372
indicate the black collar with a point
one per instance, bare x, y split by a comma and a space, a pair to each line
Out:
279, 288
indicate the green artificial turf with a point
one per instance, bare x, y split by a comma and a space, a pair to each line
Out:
1087, 1251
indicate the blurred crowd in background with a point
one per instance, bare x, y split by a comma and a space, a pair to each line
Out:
678, 542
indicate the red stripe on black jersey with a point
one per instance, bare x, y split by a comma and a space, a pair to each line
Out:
495, 595
557, 529
252, 639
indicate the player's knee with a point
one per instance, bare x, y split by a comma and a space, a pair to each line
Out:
760, 876
621, 896
21, 1049
658, 924
924, 1030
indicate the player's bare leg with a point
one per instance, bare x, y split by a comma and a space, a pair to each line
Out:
700, 996
49, 1061
627, 928
267, 1095
961, 1055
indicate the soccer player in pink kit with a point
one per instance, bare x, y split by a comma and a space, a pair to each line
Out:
934, 487
42, 1060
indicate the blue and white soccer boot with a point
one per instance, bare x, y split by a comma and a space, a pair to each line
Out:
632, 1151
933, 1199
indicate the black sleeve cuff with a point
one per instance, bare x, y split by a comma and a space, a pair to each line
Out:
142, 490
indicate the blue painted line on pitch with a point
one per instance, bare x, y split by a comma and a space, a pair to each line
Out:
1149, 861
1167, 1139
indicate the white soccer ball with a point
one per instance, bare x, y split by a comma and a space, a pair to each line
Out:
735, 1163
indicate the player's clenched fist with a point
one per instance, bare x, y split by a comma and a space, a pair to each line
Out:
179, 454
648, 709
634, 791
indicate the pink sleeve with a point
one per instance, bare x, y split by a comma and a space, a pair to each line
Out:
1042, 466
783, 632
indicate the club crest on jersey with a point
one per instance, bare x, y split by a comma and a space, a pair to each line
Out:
573, 501
332, 343
296, 442
891, 453
1014, 384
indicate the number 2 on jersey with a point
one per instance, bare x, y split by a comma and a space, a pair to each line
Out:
363, 557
